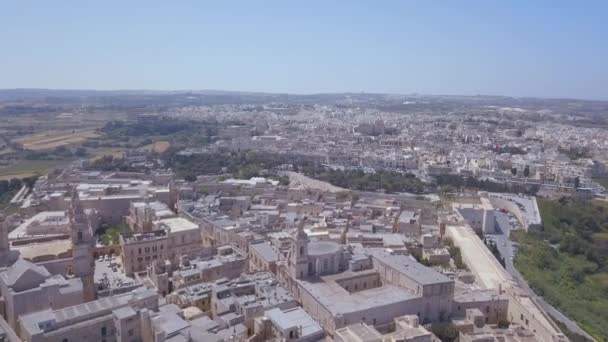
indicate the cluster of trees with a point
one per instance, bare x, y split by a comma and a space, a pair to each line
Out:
359, 180
242, 165
455, 254
486, 185
8, 188
161, 126
567, 263
190, 133
511, 150
575, 153
59, 153
110, 234
525, 173
445, 331
111, 163
491, 244
245, 165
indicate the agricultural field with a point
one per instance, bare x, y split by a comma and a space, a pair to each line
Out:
158, 146
115, 153
52, 140
26, 168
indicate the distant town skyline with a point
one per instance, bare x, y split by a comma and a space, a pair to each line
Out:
545, 49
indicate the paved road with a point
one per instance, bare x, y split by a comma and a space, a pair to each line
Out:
508, 249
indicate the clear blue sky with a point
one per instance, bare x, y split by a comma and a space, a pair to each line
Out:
510, 47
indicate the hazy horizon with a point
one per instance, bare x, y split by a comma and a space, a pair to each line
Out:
517, 49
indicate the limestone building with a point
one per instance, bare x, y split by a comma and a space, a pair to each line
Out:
26, 288
340, 285
83, 245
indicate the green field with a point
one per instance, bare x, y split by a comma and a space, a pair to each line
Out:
567, 263
26, 168
602, 180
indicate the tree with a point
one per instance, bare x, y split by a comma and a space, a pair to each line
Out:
80, 152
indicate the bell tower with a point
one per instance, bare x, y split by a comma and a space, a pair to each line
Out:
4, 244
298, 256
83, 245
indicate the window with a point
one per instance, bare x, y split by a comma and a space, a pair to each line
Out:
130, 332
103, 331
139, 250
291, 334
65, 340
301, 250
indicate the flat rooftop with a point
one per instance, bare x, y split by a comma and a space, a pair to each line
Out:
178, 224
295, 317
338, 300
265, 250
409, 267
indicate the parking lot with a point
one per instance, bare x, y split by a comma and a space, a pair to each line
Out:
505, 222
109, 274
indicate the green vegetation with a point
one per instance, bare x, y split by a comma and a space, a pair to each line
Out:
110, 163
575, 153
573, 337
446, 332
485, 185
58, 153
567, 263
602, 180
491, 244
242, 165
510, 149
27, 168
109, 234
9, 188
455, 254
160, 126
359, 180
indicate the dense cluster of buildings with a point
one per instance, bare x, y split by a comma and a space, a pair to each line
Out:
501, 144
250, 260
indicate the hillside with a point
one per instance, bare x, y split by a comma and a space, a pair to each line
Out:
567, 263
